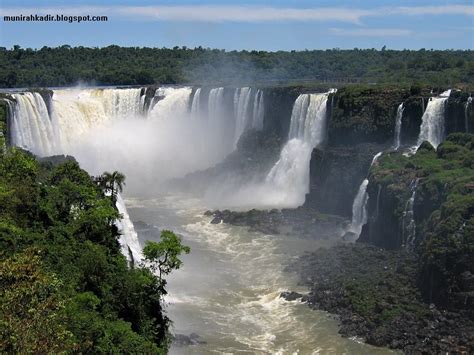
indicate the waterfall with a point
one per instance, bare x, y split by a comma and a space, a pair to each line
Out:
290, 174
31, 126
466, 113
398, 127
196, 104
359, 209
432, 126
174, 102
128, 240
73, 113
245, 115
258, 111
241, 111
408, 219
359, 206
215, 106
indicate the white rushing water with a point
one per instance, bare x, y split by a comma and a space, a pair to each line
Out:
31, 126
258, 110
359, 209
359, 206
228, 289
247, 116
432, 126
408, 219
398, 127
289, 177
196, 104
128, 239
466, 113
74, 113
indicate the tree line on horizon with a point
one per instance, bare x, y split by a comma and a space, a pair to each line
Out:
115, 65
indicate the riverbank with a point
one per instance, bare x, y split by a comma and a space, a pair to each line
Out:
373, 291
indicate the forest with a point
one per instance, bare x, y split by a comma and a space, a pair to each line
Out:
115, 65
65, 286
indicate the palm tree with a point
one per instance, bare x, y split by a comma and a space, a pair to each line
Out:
113, 182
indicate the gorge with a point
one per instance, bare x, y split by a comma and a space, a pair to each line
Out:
329, 159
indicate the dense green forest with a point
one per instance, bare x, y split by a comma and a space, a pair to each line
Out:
116, 65
64, 284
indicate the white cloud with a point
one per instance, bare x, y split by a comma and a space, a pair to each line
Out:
431, 10
244, 13
228, 13
371, 32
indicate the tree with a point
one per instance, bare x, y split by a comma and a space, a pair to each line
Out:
163, 257
113, 183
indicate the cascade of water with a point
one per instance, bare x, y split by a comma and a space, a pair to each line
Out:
241, 111
398, 126
215, 108
173, 102
359, 209
432, 126
249, 110
466, 114
73, 113
258, 110
128, 236
408, 219
196, 104
290, 174
31, 126
359, 206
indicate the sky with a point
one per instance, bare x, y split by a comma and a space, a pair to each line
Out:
252, 25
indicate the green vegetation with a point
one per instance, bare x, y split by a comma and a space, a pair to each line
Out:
67, 65
444, 215
113, 183
164, 256
64, 285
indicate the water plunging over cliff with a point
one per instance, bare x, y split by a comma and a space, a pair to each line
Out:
398, 127
466, 114
196, 104
73, 113
290, 175
31, 126
432, 126
240, 304
247, 116
408, 219
128, 240
359, 206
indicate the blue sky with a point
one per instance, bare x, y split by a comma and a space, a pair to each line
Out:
266, 25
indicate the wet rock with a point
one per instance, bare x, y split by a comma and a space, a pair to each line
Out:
374, 293
291, 295
302, 222
187, 340
350, 237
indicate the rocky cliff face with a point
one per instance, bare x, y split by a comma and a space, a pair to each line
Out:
3, 121
362, 123
441, 184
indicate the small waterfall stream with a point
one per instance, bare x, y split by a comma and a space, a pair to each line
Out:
359, 206
398, 127
408, 219
466, 114
432, 127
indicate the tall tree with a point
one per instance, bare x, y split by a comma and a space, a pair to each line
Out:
113, 183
